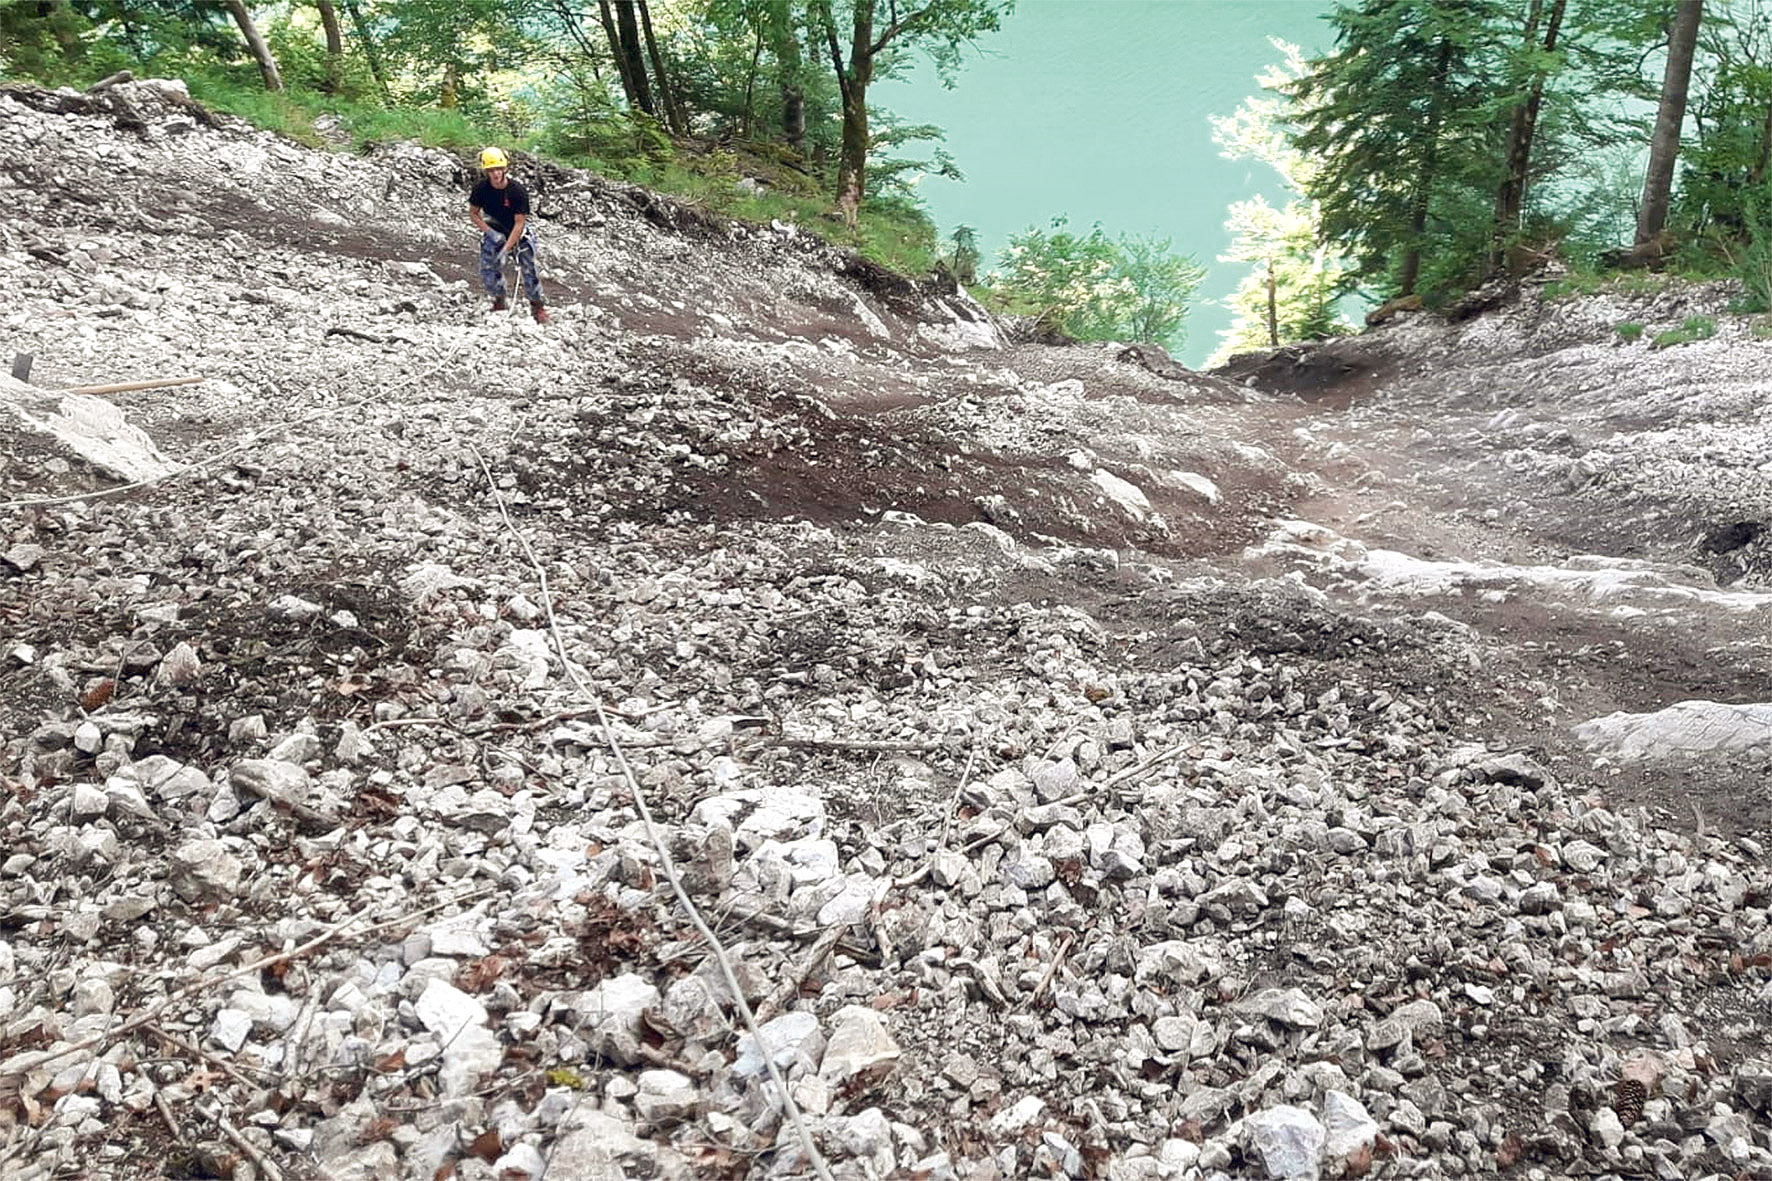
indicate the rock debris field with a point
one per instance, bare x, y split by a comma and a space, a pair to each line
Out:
1351, 763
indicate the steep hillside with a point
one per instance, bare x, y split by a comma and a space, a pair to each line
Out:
769, 722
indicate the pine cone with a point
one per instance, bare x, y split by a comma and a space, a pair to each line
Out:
1628, 1099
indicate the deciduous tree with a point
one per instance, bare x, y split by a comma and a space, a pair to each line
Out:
1664, 144
942, 28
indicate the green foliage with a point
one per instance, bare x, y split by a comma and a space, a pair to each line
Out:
1400, 124
1761, 328
1693, 329
965, 256
1751, 257
1289, 292
1092, 287
1628, 332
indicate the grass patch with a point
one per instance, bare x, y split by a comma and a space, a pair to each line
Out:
1695, 328
1606, 283
1629, 333
1761, 328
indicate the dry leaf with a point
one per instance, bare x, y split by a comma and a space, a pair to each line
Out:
98, 695
202, 1079
488, 1145
478, 975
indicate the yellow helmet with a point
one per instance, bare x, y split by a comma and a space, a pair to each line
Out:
494, 158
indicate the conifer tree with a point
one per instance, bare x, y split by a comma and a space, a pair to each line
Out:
1397, 118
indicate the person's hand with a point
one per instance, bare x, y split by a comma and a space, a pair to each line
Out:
496, 238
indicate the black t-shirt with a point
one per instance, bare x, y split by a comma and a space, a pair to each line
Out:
499, 207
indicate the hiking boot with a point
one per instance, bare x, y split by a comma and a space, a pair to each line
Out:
540, 313
499, 304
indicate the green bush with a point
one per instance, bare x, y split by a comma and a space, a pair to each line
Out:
1629, 333
1694, 328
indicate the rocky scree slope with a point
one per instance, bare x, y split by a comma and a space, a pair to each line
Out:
1061, 814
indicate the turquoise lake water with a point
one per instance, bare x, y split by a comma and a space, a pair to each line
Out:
1098, 110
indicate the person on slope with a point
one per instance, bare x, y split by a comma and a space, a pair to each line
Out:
499, 206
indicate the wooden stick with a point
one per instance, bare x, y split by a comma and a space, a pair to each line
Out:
165, 1111
124, 387
1064, 949
778, 1000
947, 821
243, 1144
179, 1043
299, 810
1129, 773
859, 744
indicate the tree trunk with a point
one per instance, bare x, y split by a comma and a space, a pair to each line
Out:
629, 27
667, 96
335, 45
371, 53
1664, 144
1273, 308
1428, 173
450, 96
621, 58
793, 95
1763, 156
1510, 203
746, 124
267, 65
852, 159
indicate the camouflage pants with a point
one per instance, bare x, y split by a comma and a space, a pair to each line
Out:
492, 269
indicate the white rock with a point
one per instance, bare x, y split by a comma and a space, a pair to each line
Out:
611, 1014
787, 1038
1286, 1139
230, 1029
271, 779
1128, 496
1287, 1006
470, 1050
204, 870
1348, 1126
523, 1161
1011, 1120
859, 1044
88, 802
665, 1096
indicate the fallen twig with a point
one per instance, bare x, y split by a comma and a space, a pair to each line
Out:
242, 1143
124, 387
371, 337
1064, 949
180, 1044
295, 808
1131, 772
947, 821
784, 992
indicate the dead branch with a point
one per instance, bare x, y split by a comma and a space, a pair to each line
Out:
124, 387
242, 1143
785, 992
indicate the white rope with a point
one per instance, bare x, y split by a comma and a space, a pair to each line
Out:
669, 865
